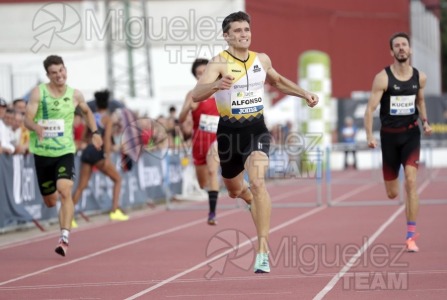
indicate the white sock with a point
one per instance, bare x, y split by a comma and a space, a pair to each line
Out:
65, 233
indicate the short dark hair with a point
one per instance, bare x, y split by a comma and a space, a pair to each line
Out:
102, 99
52, 60
17, 101
399, 34
197, 63
234, 17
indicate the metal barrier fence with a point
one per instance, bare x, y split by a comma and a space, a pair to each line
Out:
282, 167
432, 159
154, 177
158, 176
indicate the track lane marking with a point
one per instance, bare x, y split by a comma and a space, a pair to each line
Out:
330, 285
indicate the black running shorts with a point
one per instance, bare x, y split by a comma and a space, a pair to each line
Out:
236, 144
50, 169
398, 149
92, 156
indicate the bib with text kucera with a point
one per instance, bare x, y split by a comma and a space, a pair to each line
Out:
402, 105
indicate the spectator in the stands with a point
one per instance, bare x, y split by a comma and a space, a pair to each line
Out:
19, 106
20, 138
5, 145
6, 132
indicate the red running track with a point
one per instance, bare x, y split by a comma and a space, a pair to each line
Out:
352, 252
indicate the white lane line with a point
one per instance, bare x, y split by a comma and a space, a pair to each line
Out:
54, 233
122, 245
198, 280
229, 295
354, 258
119, 246
248, 242
216, 257
106, 222
330, 285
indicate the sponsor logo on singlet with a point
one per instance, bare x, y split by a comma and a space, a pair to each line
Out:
256, 68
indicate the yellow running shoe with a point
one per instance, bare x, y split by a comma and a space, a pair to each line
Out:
74, 224
118, 215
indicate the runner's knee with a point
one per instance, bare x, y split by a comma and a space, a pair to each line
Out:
410, 182
257, 185
234, 193
50, 200
392, 193
65, 190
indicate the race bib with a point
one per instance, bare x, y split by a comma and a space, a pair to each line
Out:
247, 102
208, 123
52, 128
402, 105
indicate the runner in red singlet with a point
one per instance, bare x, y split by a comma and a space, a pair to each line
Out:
204, 147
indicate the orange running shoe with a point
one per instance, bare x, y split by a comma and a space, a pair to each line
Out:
411, 244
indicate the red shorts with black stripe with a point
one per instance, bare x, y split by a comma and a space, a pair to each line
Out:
202, 141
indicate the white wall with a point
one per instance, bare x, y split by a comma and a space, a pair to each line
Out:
426, 39
79, 38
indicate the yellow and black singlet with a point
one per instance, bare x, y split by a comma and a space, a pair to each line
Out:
243, 103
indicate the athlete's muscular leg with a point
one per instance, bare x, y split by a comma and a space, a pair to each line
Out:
412, 200
392, 188
238, 188
207, 174
202, 176
85, 174
66, 212
50, 200
256, 166
108, 168
212, 163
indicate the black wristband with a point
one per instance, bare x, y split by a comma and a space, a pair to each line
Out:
95, 132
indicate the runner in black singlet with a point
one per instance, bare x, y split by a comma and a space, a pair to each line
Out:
399, 89
100, 158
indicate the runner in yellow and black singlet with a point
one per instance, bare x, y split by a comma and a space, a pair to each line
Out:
236, 77
242, 129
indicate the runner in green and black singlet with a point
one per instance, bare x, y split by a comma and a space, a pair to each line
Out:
49, 116
56, 116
